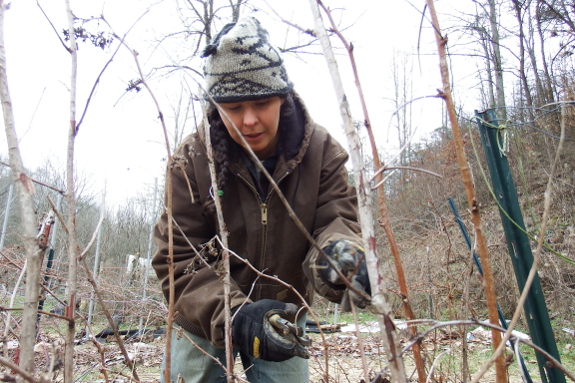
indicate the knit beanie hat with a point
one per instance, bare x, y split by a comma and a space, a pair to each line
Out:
241, 64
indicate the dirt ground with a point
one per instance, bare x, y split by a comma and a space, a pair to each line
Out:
442, 354
343, 365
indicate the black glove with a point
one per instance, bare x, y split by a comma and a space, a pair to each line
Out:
348, 257
255, 335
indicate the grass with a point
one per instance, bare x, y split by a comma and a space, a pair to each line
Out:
567, 354
362, 316
325, 313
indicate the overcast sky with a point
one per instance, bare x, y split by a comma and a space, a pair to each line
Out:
121, 140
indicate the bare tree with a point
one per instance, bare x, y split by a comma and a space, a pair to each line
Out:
497, 60
401, 73
520, 16
71, 201
199, 17
184, 108
539, 24
25, 189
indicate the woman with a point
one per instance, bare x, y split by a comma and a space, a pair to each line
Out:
246, 79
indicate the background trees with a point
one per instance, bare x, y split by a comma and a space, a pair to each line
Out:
516, 56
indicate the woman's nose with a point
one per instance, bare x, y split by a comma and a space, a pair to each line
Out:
250, 117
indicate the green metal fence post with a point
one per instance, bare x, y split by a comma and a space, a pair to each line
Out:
518, 244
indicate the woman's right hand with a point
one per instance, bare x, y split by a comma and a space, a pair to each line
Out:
256, 332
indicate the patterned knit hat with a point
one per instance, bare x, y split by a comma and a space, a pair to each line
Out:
242, 65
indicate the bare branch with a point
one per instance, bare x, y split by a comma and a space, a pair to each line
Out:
20, 371
379, 302
53, 27
39, 182
25, 189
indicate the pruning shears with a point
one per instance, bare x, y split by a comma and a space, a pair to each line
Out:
291, 332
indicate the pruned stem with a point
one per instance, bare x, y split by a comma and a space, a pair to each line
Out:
25, 190
379, 301
488, 282
383, 212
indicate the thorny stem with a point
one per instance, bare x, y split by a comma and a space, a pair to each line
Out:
488, 282
25, 189
71, 200
225, 256
384, 216
379, 301
169, 196
99, 295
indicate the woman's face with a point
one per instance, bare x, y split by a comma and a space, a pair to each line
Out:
257, 121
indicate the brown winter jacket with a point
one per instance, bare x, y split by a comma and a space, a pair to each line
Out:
315, 182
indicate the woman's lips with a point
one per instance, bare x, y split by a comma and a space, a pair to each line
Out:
253, 137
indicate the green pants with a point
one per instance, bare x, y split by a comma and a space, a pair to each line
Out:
195, 367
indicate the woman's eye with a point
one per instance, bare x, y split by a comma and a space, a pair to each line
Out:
262, 103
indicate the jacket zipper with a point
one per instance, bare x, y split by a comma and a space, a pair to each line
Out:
264, 221
264, 207
271, 189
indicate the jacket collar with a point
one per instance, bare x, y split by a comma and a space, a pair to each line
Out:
307, 125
